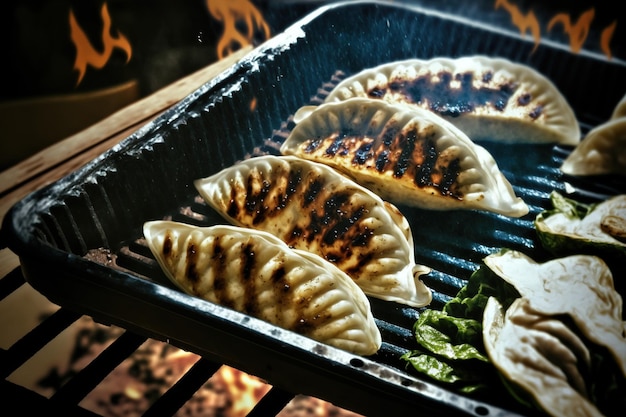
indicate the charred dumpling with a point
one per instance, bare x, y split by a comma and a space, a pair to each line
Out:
312, 207
405, 154
256, 273
487, 98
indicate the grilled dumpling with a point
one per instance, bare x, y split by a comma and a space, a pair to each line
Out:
405, 154
602, 151
487, 98
256, 273
312, 207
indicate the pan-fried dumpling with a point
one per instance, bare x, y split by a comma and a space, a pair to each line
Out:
312, 207
256, 273
601, 152
487, 98
405, 154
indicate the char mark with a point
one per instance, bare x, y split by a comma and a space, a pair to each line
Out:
450, 175
191, 270
363, 154
407, 145
248, 272
167, 245
423, 173
436, 91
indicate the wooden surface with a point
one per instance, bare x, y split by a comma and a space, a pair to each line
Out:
73, 152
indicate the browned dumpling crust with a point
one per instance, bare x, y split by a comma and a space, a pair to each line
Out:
254, 272
487, 98
405, 154
313, 207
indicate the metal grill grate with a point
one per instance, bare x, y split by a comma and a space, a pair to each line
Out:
66, 400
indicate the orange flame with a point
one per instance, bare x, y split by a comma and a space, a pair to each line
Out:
523, 22
86, 54
577, 32
231, 12
605, 39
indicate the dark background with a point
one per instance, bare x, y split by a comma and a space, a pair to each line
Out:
173, 38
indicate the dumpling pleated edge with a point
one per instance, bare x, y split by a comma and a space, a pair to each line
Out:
561, 125
296, 291
386, 270
363, 116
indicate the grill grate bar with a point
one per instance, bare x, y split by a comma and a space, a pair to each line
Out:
30, 403
11, 282
87, 379
35, 340
183, 390
272, 403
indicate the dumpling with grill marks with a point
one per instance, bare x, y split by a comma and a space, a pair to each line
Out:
405, 154
254, 272
312, 207
488, 98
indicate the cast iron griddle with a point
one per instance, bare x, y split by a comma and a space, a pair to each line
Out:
80, 239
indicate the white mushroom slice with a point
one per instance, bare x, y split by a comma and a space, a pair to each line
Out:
535, 353
405, 154
601, 152
312, 207
487, 98
256, 273
580, 286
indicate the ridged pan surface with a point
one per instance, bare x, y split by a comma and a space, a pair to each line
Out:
80, 239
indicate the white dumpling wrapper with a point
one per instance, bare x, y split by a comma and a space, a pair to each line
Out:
312, 207
602, 151
580, 286
256, 273
426, 161
523, 104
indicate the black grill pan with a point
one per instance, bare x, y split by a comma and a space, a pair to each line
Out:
80, 239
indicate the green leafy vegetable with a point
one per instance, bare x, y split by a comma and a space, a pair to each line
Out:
451, 349
450, 337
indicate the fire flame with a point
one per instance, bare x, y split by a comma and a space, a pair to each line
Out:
577, 32
605, 39
231, 12
86, 54
523, 22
